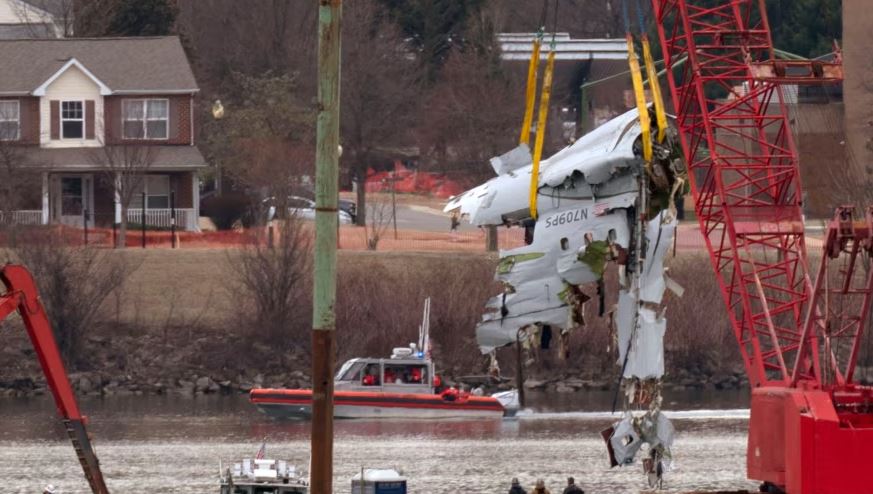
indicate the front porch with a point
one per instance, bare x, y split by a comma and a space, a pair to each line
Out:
80, 199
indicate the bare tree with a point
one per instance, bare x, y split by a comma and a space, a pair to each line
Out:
275, 280
17, 184
473, 112
379, 216
123, 167
581, 18
73, 283
380, 94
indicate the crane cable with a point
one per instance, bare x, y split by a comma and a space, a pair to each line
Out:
639, 89
543, 118
532, 74
652, 74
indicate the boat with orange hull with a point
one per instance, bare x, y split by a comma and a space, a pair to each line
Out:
297, 403
403, 386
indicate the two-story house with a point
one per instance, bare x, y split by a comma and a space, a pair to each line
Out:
63, 101
35, 18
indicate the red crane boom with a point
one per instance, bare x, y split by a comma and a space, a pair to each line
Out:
21, 295
811, 428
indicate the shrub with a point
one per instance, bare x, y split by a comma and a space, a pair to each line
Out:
226, 210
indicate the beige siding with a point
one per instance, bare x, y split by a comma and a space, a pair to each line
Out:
12, 12
19, 14
71, 85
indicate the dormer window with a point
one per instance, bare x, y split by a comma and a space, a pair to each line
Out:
72, 120
146, 118
10, 121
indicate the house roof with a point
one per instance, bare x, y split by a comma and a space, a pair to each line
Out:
126, 65
165, 158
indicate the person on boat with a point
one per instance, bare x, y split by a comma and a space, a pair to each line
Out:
390, 376
450, 394
516, 488
371, 378
437, 384
572, 488
540, 487
463, 393
415, 375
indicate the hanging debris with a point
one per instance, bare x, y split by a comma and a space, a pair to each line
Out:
598, 205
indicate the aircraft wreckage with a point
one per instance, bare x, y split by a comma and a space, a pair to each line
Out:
599, 204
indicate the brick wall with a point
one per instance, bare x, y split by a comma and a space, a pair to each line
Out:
179, 132
29, 119
180, 183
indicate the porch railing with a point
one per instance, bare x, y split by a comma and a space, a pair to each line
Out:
21, 217
162, 218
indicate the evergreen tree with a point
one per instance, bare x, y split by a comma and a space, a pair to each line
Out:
805, 27
434, 27
143, 18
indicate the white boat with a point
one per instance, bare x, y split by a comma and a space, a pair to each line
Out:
402, 386
379, 481
263, 476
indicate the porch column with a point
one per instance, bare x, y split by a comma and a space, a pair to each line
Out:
45, 198
195, 199
117, 199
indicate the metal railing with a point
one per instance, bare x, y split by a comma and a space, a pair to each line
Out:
186, 219
21, 217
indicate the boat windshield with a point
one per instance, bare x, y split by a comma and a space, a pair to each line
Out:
350, 371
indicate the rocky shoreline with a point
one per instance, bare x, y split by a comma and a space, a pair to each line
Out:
99, 383
192, 365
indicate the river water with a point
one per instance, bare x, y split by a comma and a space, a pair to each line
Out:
174, 444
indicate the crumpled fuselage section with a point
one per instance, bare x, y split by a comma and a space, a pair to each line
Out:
588, 200
599, 205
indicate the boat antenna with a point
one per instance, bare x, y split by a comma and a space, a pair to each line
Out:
424, 329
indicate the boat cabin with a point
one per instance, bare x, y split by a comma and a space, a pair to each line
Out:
263, 476
405, 372
378, 481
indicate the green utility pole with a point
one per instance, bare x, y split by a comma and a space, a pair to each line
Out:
324, 296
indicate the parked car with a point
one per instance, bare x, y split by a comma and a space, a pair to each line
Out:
349, 207
304, 208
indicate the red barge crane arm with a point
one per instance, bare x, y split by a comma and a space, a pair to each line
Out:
811, 427
21, 295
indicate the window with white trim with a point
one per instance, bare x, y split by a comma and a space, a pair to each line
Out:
10, 121
72, 119
145, 118
157, 192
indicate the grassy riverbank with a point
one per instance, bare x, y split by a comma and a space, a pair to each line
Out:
179, 323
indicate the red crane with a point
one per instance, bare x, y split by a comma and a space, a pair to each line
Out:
21, 295
811, 427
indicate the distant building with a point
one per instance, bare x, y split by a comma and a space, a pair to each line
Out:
63, 102
577, 62
35, 19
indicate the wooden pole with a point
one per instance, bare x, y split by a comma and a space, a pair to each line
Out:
326, 217
519, 369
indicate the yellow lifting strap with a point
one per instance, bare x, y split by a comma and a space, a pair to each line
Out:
530, 98
541, 132
640, 94
652, 74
